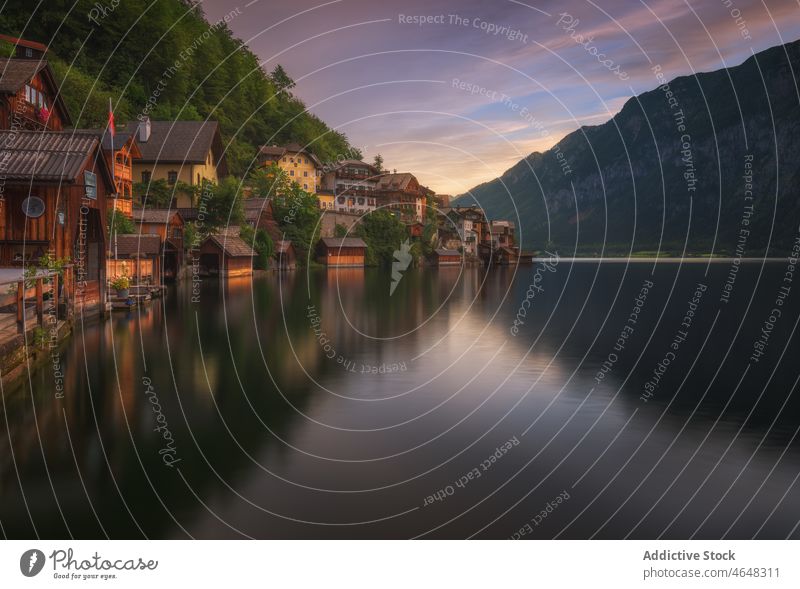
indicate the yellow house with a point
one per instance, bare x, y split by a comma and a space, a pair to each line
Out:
301, 165
186, 151
325, 199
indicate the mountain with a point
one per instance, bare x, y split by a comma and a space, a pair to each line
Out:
163, 58
675, 169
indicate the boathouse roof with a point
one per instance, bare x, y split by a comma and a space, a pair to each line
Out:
136, 244
153, 215
337, 242
232, 245
47, 156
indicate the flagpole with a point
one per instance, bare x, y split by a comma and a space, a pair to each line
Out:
111, 131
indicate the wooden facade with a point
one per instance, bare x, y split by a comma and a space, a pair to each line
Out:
403, 194
168, 224
120, 152
29, 97
225, 255
285, 255
415, 230
445, 257
341, 252
136, 256
54, 202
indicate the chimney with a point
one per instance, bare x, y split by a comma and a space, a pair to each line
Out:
144, 130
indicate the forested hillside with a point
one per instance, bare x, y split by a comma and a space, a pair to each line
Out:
162, 58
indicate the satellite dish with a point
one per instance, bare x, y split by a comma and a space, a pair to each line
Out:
33, 206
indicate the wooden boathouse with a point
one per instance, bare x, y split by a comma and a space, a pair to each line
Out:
341, 252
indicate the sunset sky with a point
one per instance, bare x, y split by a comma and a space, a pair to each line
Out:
462, 97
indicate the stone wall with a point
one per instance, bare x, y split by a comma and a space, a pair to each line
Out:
331, 219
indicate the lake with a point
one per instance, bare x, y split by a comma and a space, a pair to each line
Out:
568, 399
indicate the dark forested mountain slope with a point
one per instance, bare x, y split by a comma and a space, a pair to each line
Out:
671, 172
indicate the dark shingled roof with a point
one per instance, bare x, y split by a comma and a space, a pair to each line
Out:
15, 73
151, 215
395, 181
278, 151
189, 214
232, 245
120, 138
46, 156
337, 242
179, 141
136, 244
255, 204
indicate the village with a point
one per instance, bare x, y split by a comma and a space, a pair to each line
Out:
95, 220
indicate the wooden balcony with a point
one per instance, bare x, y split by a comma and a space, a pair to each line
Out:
123, 173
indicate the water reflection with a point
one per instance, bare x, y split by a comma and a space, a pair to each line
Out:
281, 434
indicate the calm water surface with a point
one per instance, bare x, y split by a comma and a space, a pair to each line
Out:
320, 406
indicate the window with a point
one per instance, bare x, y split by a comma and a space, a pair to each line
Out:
305, 174
146, 176
291, 172
28, 52
172, 176
284, 160
305, 186
176, 232
198, 179
33, 96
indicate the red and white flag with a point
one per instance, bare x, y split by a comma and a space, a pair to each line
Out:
110, 118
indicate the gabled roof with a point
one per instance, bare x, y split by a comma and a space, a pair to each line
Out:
358, 163
278, 151
48, 156
189, 213
136, 245
257, 204
258, 210
153, 215
119, 140
183, 142
16, 72
337, 242
232, 245
395, 181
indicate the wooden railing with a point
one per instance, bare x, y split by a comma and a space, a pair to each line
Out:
25, 294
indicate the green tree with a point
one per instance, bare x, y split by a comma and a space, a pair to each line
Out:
378, 162
283, 83
261, 242
339, 230
119, 224
223, 204
384, 234
268, 181
297, 214
160, 194
218, 77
